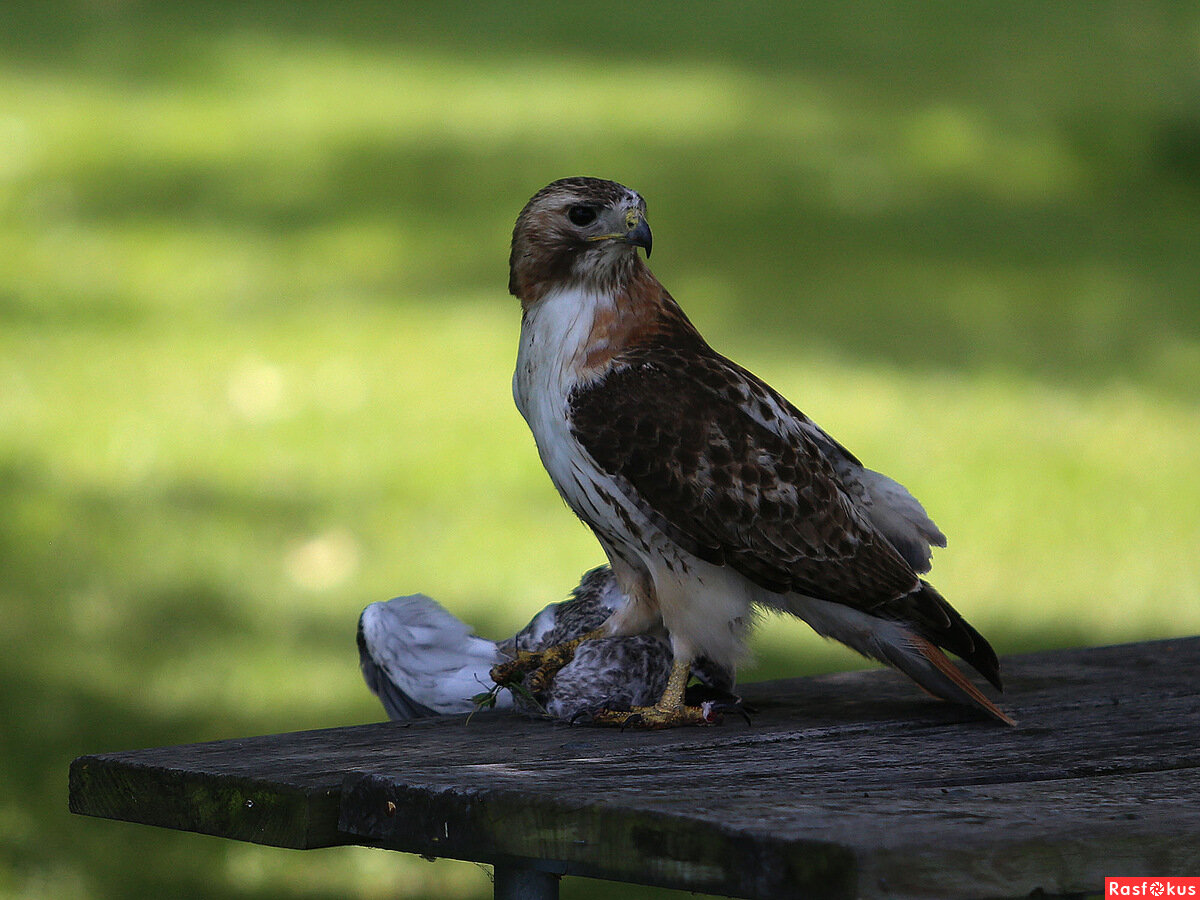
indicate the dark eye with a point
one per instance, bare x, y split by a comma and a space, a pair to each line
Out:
582, 215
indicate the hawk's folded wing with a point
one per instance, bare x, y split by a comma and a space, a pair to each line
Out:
681, 436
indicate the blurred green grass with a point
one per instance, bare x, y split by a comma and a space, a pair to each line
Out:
255, 344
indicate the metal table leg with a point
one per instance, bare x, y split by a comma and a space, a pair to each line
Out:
514, 882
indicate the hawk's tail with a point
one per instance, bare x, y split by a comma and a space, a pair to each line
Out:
929, 614
930, 668
906, 634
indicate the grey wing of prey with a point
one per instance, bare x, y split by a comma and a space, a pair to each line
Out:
420, 660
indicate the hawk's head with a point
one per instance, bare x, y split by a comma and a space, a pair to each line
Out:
584, 230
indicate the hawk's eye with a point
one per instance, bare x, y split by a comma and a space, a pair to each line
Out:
582, 215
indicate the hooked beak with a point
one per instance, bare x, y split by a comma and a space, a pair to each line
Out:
636, 232
639, 235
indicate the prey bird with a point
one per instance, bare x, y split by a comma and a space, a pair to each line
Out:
709, 492
421, 661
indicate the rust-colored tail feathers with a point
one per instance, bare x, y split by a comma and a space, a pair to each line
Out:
930, 668
910, 634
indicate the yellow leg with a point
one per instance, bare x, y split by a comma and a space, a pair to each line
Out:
669, 712
542, 663
672, 695
535, 670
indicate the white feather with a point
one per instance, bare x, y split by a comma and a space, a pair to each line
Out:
533, 634
902, 519
428, 654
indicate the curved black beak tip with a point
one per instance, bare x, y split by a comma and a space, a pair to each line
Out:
640, 236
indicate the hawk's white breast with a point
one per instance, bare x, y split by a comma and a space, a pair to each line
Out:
705, 608
554, 343
557, 336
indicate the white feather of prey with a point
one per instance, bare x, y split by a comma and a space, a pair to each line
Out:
421, 660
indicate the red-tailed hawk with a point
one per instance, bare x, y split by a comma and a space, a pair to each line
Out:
710, 493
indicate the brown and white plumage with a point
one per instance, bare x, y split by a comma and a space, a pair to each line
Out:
710, 493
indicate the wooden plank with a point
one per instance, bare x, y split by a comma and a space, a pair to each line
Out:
846, 785
1053, 838
206, 788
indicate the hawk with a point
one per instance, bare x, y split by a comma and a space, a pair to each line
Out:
711, 495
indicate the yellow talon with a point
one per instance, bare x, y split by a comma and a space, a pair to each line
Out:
543, 664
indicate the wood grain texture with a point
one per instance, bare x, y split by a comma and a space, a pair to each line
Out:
845, 786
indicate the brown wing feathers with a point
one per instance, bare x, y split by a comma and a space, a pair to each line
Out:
732, 492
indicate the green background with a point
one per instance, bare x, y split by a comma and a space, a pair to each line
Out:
255, 343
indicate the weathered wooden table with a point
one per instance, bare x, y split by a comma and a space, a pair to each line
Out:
846, 785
